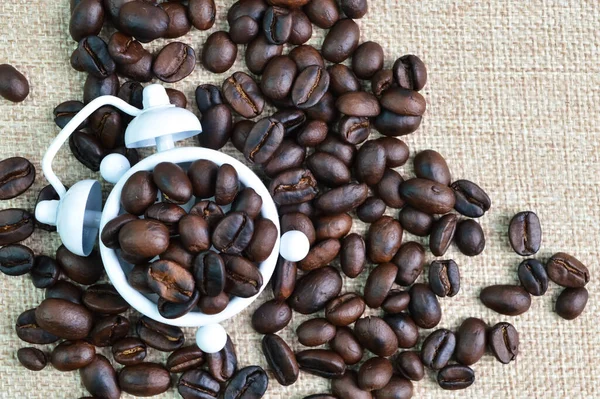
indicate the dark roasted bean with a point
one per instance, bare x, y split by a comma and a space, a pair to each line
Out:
503, 341
571, 302
64, 289
213, 304
263, 140
281, 359
469, 237
258, 53
428, 196
298, 221
391, 124
108, 330
321, 254
45, 272
248, 383
404, 102
470, 341
430, 165
32, 358
83, 270
567, 271
438, 348
405, 329
444, 278
375, 335
415, 222
263, 240
455, 377
284, 279
410, 72
384, 239
65, 111
87, 149
367, 60
243, 94
17, 174
218, 125
165, 212
315, 332
346, 386
409, 365
179, 24
16, 260
471, 200
397, 301
184, 359
271, 317
29, 331
375, 373
243, 277
388, 189
194, 233
87, 19
353, 255
104, 299
143, 20
341, 41
139, 192
92, 56
125, 49
172, 310
207, 96
371, 210
202, 13
342, 199
278, 77
198, 384
144, 379
442, 234
347, 346
223, 364
233, 233
64, 319
345, 309
219, 52
160, 336
146, 238
310, 86
293, 187
171, 281
511, 300
288, 155
382, 81
354, 129
342, 80
321, 362
525, 233
277, 25
100, 378
306, 300
379, 283
129, 350
533, 276
174, 62
226, 185
424, 306
203, 175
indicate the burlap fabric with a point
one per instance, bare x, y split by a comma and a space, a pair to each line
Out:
512, 104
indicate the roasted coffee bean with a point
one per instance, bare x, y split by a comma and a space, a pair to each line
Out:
345, 309
342, 199
233, 233
29, 331
533, 276
174, 62
194, 233
355, 9
375, 335
355, 130
184, 359
203, 175
240, 132
293, 187
131, 92
341, 41
93, 57
397, 388
244, 29
107, 124
410, 260
263, 140
144, 21
382, 81
223, 364
243, 277
129, 351
207, 97
64, 319
416, 222
301, 28
375, 373
346, 345
410, 72
306, 208
470, 341
45, 271
172, 310
248, 383
278, 77
65, 111
525, 233
139, 192
424, 306
306, 56
144, 379
469, 237
165, 212
321, 254
16, 260
342, 80
430, 165
277, 25
284, 279
138, 278
17, 174
104, 299
410, 103
64, 289
291, 119
210, 211
328, 169
259, 52
288, 155
198, 384
173, 182
160, 336
571, 302
271, 317
171, 281
370, 164
384, 239
100, 378
427, 196
95, 87
124, 49
176, 97
179, 24
87, 149
405, 329
315, 332
32, 358
226, 185
83, 270
471, 200
353, 255
391, 124
567, 271
379, 283
371, 210
346, 386
333, 226
263, 240
387, 189
213, 304
455, 376
310, 86
323, 14
202, 13
444, 278
409, 365
503, 341
140, 71
219, 52
209, 273
367, 60
306, 300
108, 330
438, 348
146, 238
281, 359
298, 221
87, 19
243, 94
248, 201
397, 301
511, 300
312, 134
345, 152
321, 362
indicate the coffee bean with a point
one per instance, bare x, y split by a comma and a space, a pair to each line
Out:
424, 306
321, 362
455, 376
64, 319
29, 331
198, 384
107, 125
355, 130
83, 270
160, 336
203, 175
87, 19
138, 278
341, 41
430, 165
301, 28
567, 271
345, 309
226, 185
174, 62
533, 276
355, 9
306, 300
130, 91
17, 174
396, 151
209, 273
184, 359
65, 111
263, 241
248, 383
293, 187
100, 378
173, 182
284, 279
219, 52
202, 13
223, 364
310, 86
207, 97
306, 208
342, 80
298, 221
379, 283
469, 237
32, 358
387, 188
503, 341
95, 87
259, 52
240, 132
411, 103
353, 255
139, 192
213, 304
263, 140
243, 277
92, 56
470, 341
172, 310
409, 365
375, 373
179, 24
305, 56
333, 226
177, 98
217, 122
525, 233
277, 25
16, 260
104, 299
382, 81
323, 14
194, 233
45, 271
471, 200
342, 199
438, 348
144, 21
108, 330
371, 210
164, 212
281, 359
321, 254
444, 278
87, 149
346, 345
344, 151
396, 301
124, 49
312, 134
210, 211
291, 119
391, 124
288, 155
511, 300
146, 238
289, 3
233, 233
410, 260
129, 351
243, 94
170, 281
410, 72
384, 239
346, 386
367, 60
243, 29
358, 103
140, 71
144, 379
278, 77
427, 196
405, 329
271, 317
571, 302
375, 335
315, 332
64, 289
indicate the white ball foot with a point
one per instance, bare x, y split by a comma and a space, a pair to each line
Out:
294, 246
211, 338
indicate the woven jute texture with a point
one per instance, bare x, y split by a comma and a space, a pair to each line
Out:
513, 104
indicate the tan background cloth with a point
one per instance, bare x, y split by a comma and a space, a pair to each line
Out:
513, 104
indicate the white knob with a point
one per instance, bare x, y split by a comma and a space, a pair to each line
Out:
154, 95
211, 338
46, 212
294, 246
113, 167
